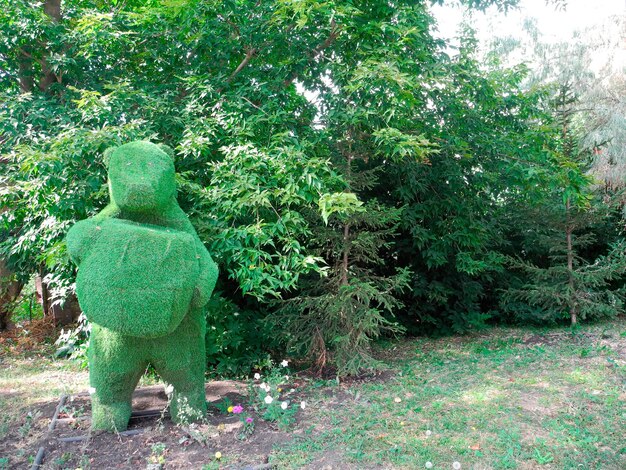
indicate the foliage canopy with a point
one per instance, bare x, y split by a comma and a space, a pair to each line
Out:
340, 165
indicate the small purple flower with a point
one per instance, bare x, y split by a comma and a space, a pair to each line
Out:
237, 409
249, 420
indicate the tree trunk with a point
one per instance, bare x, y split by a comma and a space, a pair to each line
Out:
42, 293
9, 291
319, 351
573, 307
345, 260
25, 71
346, 231
52, 8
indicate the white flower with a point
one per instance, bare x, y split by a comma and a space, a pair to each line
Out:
264, 387
92, 390
268, 399
284, 405
285, 363
303, 404
456, 465
428, 432
428, 465
257, 376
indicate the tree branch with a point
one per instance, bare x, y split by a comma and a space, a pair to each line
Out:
250, 53
52, 8
25, 70
335, 30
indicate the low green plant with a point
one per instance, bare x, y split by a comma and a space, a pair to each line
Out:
73, 411
224, 405
157, 453
269, 396
31, 418
65, 457
73, 343
85, 464
244, 415
542, 458
236, 339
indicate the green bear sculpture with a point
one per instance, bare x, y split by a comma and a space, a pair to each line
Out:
143, 279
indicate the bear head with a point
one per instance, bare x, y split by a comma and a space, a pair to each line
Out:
141, 176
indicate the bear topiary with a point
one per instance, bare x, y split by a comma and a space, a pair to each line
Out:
143, 279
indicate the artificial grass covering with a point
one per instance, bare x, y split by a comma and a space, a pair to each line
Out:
130, 270
143, 279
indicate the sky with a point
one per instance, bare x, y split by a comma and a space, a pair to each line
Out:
606, 19
604, 23
555, 24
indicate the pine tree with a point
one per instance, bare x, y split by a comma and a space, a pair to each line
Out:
335, 317
559, 280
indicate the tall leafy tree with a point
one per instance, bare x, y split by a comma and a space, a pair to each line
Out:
281, 114
456, 208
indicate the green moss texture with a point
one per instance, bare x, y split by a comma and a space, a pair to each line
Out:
143, 279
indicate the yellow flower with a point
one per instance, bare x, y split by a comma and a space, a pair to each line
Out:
230, 409
218, 455
280, 389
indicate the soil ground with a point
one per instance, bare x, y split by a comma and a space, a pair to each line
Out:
105, 450
505, 398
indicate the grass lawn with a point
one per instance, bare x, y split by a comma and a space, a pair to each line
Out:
503, 398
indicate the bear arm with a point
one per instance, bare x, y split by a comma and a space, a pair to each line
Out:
111, 210
208, 269
207, 277
80, 238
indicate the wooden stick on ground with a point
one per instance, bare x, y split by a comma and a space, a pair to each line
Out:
41, 452
130, 432
38, 459
55, 417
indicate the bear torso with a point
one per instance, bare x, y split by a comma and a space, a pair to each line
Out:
141, 265
137, 279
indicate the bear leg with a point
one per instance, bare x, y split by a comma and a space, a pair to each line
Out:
181, 362
115, 367
188, 400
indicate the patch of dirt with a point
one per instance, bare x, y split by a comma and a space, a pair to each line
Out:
27, 337
183, 448
369, 376
533, 408
552, 339
332, 460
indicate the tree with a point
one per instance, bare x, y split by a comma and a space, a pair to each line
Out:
562, 281
490, 142
420, 139
572, 256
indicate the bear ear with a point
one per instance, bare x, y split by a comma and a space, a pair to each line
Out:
107, 155
168, 150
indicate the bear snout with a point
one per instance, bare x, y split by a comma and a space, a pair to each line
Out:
138, 196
